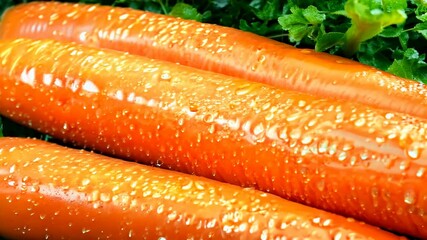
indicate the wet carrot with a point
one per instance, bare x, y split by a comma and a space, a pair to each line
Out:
335, 155
49, 191
215, 48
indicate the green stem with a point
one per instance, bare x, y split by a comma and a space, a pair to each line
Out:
352, 41
1, 128
163, 7
278, 35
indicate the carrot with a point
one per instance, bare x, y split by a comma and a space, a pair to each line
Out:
49, 191
340, 156
215, 48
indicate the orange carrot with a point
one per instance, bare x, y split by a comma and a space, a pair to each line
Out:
347, 158
215, 48
48, 191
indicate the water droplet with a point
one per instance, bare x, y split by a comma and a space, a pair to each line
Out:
342, 156
347, 147
413, 151
312, 122
360, 122
340, 117
211, 129
302, 103
332, 149
34, 188
409, 197
85, 181
266, 106
327, 222
404, 165
165, 76
338, 236
160, 209
243, 227
193, 107
258, 129
306, 51
295, 133
421, 172
323, 146
392, 135
94, 196
316, 220
320, 185
293, 143
188, 220
105, 197
293, 117
307, 139
364, 155
421, 212
23, 188
199, 185
389, 116
313, 148
243, 89
158, 163
172, 216
12, 168
181, 121
130, 234
374, 192
283, 134
26, 179
261, 58
124, 16
380, 139
208, 118
269, 116
187, 186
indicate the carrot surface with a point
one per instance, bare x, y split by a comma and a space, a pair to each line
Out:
339, 156
48, 191
215, 48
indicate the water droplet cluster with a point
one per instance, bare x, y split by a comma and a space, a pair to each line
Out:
217, 49
298, 146
66, 193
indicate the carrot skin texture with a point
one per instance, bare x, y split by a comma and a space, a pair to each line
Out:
51, 191
343, 157
215, 48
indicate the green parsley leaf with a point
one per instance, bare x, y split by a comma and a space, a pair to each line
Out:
328, 40
391, 32
313, 15
217, 4
186, 11
302, 22
269, 11
376, 52
260, 28
422, 17
422, 29
411, 66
